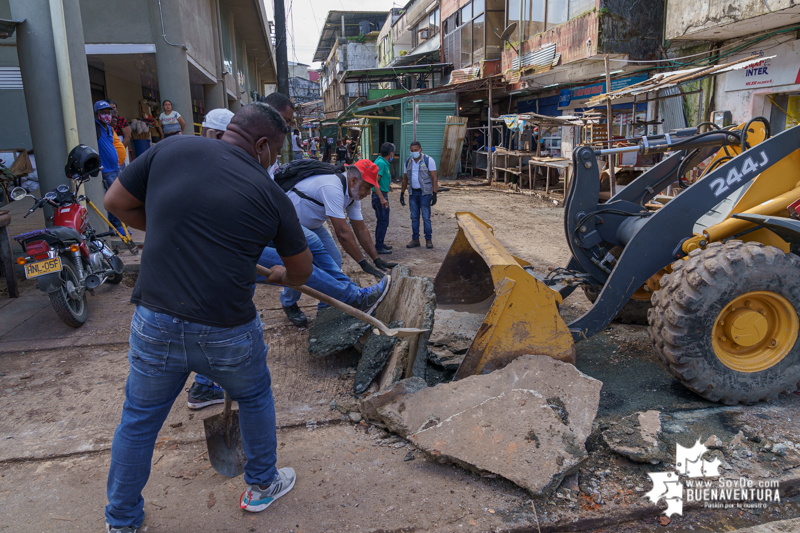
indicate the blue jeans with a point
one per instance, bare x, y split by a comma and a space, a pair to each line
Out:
321, 280
382, 217
418, 203
108, 179
163, 351
327, 257
297, 155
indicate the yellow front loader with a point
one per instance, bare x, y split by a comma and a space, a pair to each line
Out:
719, 260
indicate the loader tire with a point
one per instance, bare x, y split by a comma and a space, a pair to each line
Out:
725, 322
634, 312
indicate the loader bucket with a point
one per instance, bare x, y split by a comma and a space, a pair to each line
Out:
523, 318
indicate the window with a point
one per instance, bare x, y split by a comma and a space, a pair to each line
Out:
466, 45
433, 22
539, 15
579, 7
479, 38
466, 13
556, 13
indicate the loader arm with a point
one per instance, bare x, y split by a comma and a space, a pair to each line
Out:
650, 240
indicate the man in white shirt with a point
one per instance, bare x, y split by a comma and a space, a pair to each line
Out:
420, 171
326, 197
313, 147
297, 150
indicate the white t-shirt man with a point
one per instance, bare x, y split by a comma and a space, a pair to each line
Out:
326, 189
415, 184
313, 145
296, 143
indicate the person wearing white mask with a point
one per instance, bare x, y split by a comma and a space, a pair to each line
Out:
420, 175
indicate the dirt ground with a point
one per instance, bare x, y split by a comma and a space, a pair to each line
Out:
61, 394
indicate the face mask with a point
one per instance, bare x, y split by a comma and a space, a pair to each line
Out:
391, 159
105, 119
415, 155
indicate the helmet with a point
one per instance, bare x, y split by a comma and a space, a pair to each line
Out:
83, 160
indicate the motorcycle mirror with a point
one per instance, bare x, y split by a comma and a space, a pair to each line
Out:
18, 193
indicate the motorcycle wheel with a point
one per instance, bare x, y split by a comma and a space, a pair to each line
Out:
72, 312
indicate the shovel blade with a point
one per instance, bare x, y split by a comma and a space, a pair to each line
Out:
224, 441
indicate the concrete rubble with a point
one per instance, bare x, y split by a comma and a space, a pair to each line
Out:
333, 331
527, 422
637, 437
384, 360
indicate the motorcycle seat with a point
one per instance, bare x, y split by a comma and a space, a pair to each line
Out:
54, 235
65, 234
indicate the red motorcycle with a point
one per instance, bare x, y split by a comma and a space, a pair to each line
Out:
69, 258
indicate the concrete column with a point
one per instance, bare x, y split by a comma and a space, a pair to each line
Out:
214, 96
172, 67
37, 62
84, 107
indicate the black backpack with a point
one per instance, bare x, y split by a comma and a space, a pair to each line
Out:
292, 173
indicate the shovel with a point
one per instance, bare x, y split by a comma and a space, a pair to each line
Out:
224, 441
223, 437
380, 327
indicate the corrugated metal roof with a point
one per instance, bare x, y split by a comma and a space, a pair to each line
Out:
542, 57
666, 80
672, 109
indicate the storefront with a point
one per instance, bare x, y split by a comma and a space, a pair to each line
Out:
770, 88
628, 114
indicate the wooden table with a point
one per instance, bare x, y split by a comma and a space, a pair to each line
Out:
548, 163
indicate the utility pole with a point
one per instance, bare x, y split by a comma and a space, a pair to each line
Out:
612, 176
282, 64
280, 49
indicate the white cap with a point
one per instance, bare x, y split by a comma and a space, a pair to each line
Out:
218, 119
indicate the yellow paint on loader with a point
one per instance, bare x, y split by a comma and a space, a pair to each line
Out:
524, 317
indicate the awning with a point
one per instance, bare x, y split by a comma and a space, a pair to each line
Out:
351, 20
427, 51
390, 73
675, 78
7, 27
473, 85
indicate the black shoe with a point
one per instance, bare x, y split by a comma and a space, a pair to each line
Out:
387, 246
204, 395
296, 316
413, 244
428, 243
384, 251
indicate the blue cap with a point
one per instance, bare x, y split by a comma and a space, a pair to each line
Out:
101, 104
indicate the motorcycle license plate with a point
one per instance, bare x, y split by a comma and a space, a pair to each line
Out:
40, 268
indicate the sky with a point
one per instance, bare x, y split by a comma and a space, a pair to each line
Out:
304, 20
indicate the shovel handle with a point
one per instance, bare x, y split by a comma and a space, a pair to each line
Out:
352, 311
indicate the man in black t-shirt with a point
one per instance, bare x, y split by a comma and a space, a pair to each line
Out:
209, 208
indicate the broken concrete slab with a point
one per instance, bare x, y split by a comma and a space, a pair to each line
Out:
412, 301
368, 405
637, 437
395, 367
444, 358
376, 351
333, 331
527, 422
455, 329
